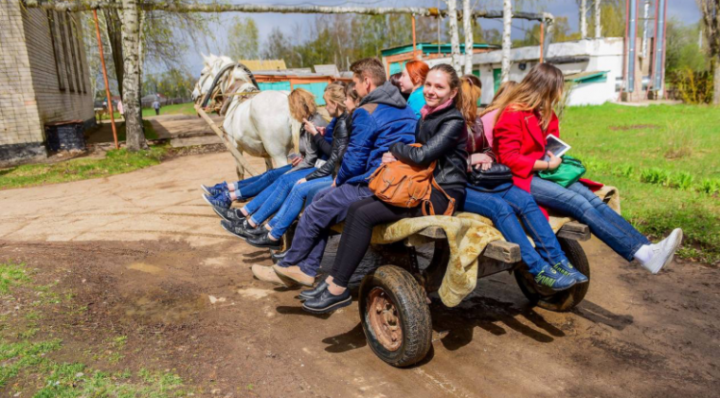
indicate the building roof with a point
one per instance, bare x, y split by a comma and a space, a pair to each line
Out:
264, 64
433, 48
330, 69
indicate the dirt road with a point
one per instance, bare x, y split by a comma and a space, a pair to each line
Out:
149, 260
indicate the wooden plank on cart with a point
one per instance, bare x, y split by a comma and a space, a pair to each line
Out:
239, 158
574, 231
502, 251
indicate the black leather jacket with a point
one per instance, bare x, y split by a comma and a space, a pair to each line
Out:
341, 137
443, 135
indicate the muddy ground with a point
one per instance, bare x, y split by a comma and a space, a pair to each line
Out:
148, 260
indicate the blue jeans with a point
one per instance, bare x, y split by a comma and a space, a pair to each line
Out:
504, 209
293, 205
269, 201
580, 203
250, 187
329, 207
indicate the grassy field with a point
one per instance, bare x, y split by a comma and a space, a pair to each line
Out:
34, 350
177, 109
663, 159
116, 162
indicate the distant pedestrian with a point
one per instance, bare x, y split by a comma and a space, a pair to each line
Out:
156, 106
120, 108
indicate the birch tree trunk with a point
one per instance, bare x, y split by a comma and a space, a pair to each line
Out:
716, 81
598, 27
113, 25
583, 19
135, 140
467, 29
454, 37
506, 43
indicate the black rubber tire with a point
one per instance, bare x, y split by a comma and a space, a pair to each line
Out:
414, 314
565, 300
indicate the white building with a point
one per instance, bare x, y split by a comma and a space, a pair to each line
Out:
594, 66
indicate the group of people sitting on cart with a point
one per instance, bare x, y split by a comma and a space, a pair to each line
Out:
374, 125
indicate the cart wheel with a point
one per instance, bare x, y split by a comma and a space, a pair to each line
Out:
566, 299
395, 316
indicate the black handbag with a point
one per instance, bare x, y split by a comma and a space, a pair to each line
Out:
497, 178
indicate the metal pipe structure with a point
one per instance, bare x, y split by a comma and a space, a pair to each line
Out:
631, 45
78, 5
659, 61
105, 78
542, 41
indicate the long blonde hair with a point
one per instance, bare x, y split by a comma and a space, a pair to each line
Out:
336, 93
539, 91
302, 104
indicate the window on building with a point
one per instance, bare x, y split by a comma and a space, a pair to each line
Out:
75, 44
70, 24
67, 53
57, 52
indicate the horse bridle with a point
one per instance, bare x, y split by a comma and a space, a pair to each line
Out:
219, 76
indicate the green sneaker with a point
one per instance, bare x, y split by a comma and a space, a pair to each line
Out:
550, 278
564, 267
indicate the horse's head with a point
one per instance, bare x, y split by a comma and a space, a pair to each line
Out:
212, 65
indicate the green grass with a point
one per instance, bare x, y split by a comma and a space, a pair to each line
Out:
116, 162
11, 275
177, 109
663, 159
27, 364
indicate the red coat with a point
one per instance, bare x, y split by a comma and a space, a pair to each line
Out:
520, 141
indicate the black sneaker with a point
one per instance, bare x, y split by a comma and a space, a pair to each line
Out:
277, 256
232, 214
314, 292
264, 241
327, 302
236, 229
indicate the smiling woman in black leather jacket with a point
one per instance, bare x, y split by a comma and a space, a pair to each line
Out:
441, 131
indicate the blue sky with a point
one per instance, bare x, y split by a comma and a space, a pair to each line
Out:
683, 10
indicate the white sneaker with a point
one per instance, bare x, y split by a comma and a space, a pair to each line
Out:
663, 252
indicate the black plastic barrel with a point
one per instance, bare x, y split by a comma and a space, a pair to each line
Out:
65, 136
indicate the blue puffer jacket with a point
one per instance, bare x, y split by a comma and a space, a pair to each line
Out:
382, 119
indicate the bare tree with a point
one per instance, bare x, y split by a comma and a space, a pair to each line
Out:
598, 28
506, 42
711, 22
135, 138
468, 31
582, 5
454, 37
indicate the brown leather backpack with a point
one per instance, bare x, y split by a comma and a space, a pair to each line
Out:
403, 185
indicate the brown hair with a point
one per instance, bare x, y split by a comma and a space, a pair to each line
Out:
471, 92
540, 90
370, 68
302, 104
504, 88
336, 93
418, 71
395, 80
352, 93
454, 82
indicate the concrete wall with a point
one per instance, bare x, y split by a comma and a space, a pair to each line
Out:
602, 55
35, 89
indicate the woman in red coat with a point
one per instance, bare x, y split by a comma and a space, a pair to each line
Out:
526, 118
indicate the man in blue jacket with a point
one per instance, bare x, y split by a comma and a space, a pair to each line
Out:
382, 119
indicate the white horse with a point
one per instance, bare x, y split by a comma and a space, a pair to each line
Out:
260, 124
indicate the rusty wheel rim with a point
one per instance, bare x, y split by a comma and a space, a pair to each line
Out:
384, 320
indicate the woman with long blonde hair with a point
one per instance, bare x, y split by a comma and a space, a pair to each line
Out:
505, 204
526, 119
